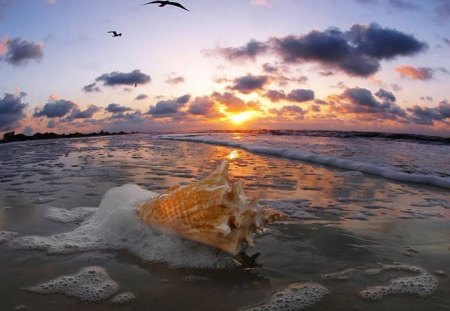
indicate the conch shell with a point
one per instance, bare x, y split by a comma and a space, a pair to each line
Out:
212, 211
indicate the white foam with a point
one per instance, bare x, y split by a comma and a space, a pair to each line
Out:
370, 168
115, 225
123, 298
297, 296
63, 215
7, 235
89, 284
423, 285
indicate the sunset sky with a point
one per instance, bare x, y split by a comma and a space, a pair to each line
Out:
372, 65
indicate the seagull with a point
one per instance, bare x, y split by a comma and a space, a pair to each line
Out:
115, 33
166, 2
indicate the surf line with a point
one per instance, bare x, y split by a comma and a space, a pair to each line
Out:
442, 182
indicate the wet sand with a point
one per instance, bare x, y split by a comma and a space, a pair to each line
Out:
338, 220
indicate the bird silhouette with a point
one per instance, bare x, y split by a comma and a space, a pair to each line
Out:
163, 3
115, 33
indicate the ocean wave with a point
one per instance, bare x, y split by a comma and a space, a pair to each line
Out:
295, 154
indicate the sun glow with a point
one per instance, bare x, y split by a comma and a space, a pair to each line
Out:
242, 117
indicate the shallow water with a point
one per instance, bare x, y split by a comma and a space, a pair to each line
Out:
339, 220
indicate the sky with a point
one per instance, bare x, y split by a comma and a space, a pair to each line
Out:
365, 65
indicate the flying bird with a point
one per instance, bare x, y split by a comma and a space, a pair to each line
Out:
115, 33
163, 3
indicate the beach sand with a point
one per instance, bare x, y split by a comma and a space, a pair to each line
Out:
339, 220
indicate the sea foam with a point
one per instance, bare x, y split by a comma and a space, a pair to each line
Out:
89, 284
115, 225
295, 154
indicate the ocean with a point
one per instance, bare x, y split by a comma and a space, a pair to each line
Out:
367, 229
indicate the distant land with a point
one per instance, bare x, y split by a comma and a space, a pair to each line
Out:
12, 136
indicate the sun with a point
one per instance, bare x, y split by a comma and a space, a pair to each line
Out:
242, 117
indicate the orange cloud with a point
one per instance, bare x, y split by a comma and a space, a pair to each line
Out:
415, 73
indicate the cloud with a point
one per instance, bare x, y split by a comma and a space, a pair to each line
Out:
275, 96
11, 111
233, 103
55, 108
386, 95
300, 95
175, 80
167, 108
116, 108
19, 52
357, 51
51, 124
249, 83
360, 100
141, 97
124, 79
203, 106
415, 73
289, 112
91, 88
83, 114
297, 95
427, 116
249, 51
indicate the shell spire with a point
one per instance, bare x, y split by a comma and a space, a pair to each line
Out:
213, 211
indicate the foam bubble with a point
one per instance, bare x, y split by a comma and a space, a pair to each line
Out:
7, 235
115, 225
89, 284
67, 216
422, 285
297, 296
123, 298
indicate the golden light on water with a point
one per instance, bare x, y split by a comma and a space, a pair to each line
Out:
233, 155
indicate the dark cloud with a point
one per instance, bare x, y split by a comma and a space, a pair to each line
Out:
362, 101
357, 51
202, 106
289, 111
55, 109
20, 52
386, 95
91, 88
268, 68
425, 115
275, 96
249, 51
11, 111
444, 109
141, 97
135, 116
116, 108
415, 73
249, 83
300, 95
175, 80
120, 78
167, 108
83, 114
